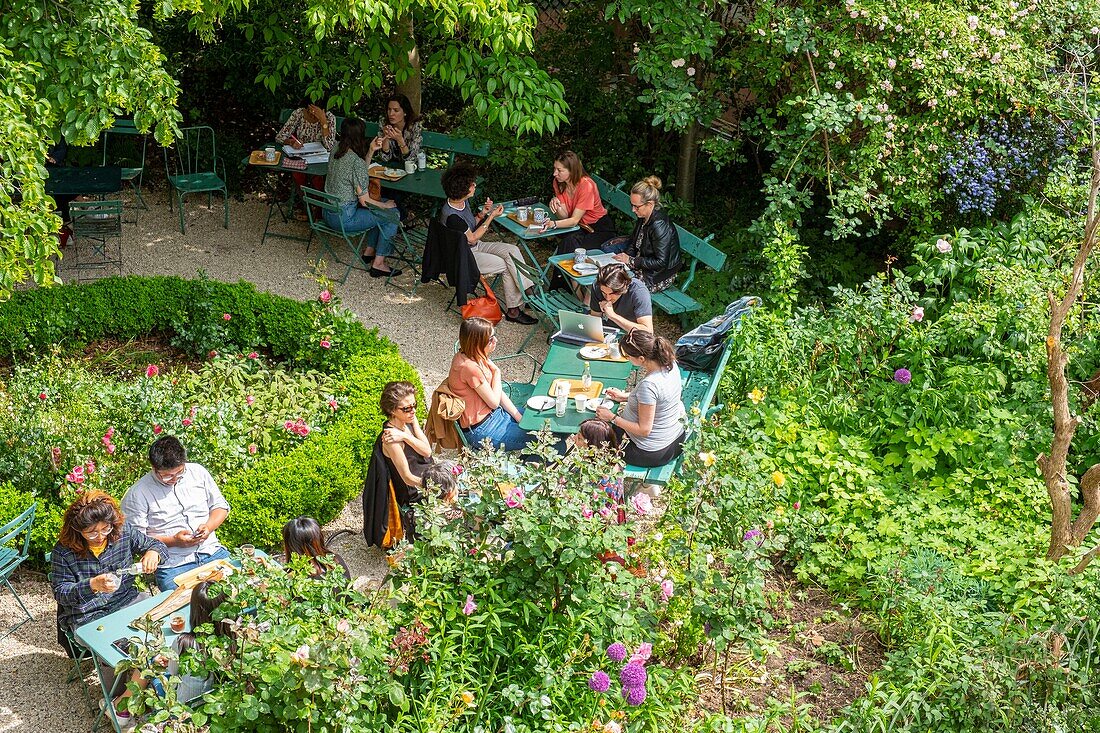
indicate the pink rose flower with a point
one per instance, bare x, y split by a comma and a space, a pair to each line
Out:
325, 296
110, 433
252, 448
641, 503
333, 404
586, 513
326, 344
343, 626
514, 499
249, 400
212, 354
917, 315
253, 355
110, 449
42, 396
89, 467
226, 316
288, 425
303, 430
666, 589
152, 370
157, 429
470, 606
300, 655
642, 654
186, 422
797, 505
943, 246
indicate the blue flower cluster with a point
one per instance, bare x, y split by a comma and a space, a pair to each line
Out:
1003, 156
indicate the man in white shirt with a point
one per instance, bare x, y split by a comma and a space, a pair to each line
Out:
179, 504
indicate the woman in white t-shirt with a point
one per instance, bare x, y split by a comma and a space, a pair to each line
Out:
652, 418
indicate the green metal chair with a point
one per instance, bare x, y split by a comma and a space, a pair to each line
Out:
192, 166
121, 142
333, 240
408, 246
97, 236
80, 655
545, 303
15, 544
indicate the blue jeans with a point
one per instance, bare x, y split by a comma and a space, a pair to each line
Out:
356, 218
166, 577
616, 245
501, 429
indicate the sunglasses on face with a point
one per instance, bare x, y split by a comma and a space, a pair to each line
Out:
408, 409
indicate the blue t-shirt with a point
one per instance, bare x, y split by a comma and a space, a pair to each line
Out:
454, 218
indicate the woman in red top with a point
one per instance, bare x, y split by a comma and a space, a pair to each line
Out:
577, 202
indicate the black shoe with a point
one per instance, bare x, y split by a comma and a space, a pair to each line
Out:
375, 272
522, 319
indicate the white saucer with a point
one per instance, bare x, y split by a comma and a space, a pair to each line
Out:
540, 402
395, 173
586, 268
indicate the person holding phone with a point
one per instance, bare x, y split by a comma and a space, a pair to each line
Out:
308, 124
178, 504
400, 131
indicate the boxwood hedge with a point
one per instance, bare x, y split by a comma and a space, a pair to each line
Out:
318, 477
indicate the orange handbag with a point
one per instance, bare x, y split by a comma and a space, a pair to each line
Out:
485, 306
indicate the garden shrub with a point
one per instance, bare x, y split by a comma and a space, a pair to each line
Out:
315, 476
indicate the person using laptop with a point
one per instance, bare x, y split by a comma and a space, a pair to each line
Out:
477, 380
652, 418
621, 299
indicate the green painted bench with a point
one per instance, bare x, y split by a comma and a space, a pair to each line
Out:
699, 390
674, 301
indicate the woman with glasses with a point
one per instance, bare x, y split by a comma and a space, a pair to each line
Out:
652, 250
476, 379
95, 544
621, 299
652, 418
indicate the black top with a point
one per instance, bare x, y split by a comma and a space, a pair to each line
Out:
417, 465
655, 247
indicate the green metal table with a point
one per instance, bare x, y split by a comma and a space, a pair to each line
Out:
586, 281
527, 234
83, 180
564, 360
569, 423
98, 636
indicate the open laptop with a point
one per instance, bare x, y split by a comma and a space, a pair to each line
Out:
581, 328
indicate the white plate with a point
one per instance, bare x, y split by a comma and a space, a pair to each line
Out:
595, 352
395, 173
540, 402
592, 404
586, 268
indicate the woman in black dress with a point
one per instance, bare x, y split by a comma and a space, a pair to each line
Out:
402, 453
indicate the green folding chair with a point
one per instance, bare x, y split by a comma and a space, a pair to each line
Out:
408, 247
333, 240
121, 143
192, 166
15, 543
545, 303
79, 655
97, 236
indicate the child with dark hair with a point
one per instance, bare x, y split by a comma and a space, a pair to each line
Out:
203, 603
442, 478
302, 536
596, 433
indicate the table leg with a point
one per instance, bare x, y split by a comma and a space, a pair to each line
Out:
543, 269
275, 205
108, 697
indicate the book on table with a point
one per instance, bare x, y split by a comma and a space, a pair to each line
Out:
309, 152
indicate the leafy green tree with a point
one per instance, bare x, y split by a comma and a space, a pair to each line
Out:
66, 69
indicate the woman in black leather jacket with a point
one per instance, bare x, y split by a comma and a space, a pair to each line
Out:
652, 250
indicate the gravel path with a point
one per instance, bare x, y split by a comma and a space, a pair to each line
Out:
33, 693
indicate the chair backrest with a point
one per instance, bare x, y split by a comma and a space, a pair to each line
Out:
121, 143
10, 535
313, 200
602, 186
532, 273
455, 145
96, 218
701, 249
195, 151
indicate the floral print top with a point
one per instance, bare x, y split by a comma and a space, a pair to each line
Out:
308, 132
414, 139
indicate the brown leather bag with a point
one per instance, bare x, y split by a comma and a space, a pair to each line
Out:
485, 306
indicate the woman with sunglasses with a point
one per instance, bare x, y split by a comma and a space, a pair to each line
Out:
94, 545
652, 418
476, 379
652, 250
404, 444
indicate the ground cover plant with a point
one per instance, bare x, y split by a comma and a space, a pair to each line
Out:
277, 398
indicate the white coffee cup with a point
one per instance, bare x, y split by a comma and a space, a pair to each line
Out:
269, 154
616, 353
524, 213
581, 402
410, 166
540, 216
580, 254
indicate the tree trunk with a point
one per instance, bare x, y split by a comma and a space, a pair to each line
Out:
1065, 531
405, 37
685, 165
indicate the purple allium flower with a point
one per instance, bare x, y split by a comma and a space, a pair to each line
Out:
634, 695
902, 376
616, 652
752, 534
633, 675
599, 681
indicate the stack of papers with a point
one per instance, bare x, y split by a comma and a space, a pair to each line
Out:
309, 152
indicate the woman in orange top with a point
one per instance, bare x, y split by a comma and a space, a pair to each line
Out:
476, 379
577, 202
